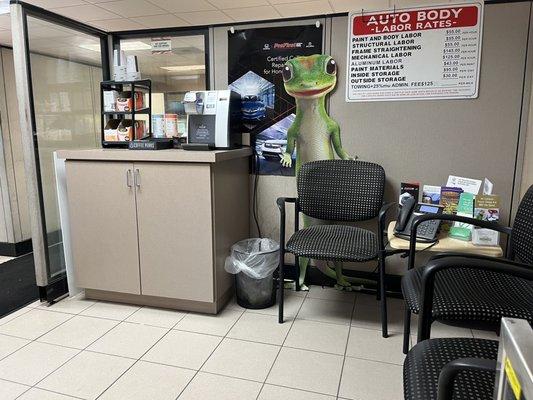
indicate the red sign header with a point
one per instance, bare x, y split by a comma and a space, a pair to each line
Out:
419, 20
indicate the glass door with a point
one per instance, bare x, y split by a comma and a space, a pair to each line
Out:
59, 64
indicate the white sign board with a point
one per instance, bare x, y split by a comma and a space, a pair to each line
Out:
161, 45
420, 53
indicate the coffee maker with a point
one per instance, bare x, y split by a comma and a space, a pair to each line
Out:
213, 119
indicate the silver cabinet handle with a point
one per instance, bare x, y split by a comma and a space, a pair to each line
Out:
137, 177
128, 178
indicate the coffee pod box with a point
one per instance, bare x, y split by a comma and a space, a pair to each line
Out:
111, 130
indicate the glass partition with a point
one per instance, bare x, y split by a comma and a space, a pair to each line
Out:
66, 70
176, 68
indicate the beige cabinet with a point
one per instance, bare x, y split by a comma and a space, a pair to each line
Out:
175, 230
156, 233
103, 225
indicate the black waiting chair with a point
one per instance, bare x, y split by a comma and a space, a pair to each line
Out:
457, 288
451, 368
342, 191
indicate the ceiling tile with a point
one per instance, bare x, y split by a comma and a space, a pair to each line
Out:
284, 1
181, 6
55, 3
206, 17
132, 8
118, 24
161, 21
305, 8
357, 5
252, 13
226, 4
85, 13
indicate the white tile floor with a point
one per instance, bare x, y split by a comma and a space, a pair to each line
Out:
82, 349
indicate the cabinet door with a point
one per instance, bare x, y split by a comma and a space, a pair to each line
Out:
101, 199
175, 230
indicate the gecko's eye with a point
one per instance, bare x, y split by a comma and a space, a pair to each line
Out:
287, 73
331, 67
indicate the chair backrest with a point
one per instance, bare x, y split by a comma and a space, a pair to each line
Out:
522, 236
341, 190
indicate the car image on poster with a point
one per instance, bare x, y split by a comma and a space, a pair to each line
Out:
256, 58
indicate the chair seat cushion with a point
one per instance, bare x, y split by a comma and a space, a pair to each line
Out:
424, 362
472, 294
334, 242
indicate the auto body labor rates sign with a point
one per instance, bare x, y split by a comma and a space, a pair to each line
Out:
421, 53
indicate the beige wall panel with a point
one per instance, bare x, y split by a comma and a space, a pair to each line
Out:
424, 140
15, 160
231, 214
527, 175
428, 140
103, 226
175, 230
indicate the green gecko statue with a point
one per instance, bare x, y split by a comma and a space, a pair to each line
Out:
313, 133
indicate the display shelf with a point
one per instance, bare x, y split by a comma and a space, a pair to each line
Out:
145, 110
131, 86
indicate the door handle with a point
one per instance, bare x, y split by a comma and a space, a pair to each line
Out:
137, 177
128, 178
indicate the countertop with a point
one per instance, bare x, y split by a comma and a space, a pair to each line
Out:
171, 155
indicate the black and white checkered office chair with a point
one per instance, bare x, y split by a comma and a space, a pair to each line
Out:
466, 287
451, 368
342, 191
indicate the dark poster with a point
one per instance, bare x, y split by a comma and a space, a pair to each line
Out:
255, 60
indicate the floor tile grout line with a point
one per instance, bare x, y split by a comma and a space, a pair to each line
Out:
282, 344
50, 391
142, 355
134, 363
346, 350
78, 351
18, 316
210, 355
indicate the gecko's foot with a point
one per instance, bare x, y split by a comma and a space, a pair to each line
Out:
304, 287
343, 284
292, 286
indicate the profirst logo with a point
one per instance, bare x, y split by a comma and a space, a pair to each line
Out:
283, 46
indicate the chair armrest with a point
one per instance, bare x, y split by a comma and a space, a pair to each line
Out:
503, 266
282, 200
450, 371
381, 223
466, 255
383, 214
449, 217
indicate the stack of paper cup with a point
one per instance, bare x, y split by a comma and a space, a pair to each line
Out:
119, 66
132, 69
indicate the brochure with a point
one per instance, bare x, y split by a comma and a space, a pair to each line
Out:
486, 208
465, 208
409, 189
449, 199
431, 194
467, 184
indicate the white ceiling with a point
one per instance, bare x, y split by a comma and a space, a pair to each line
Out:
120, 15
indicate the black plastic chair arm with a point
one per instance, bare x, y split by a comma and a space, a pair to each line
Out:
281, 205
507, 267
382, 216
449, 217
466, 255
282, 200
450, 371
